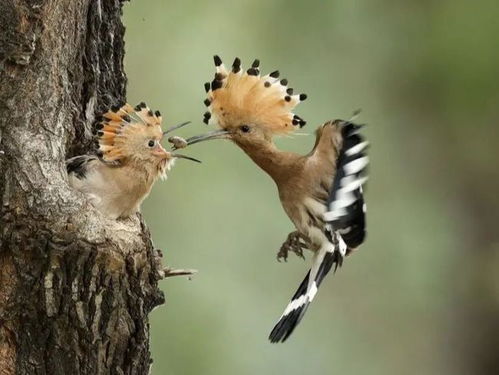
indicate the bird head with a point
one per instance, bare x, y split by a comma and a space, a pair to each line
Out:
133, 135
249, 108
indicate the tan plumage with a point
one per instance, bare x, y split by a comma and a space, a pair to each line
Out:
321, 192
248, 98
116, 191
130, 159
122, 132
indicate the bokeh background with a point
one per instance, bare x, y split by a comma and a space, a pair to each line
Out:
422, 295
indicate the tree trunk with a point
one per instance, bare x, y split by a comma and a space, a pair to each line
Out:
75, 287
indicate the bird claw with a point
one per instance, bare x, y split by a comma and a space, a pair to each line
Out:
282, 254
293, 243
299, 253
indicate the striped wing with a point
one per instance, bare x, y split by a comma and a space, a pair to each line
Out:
346, 201
80, 165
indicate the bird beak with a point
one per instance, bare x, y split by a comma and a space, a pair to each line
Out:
180, 156
163, 154
216, 134
175, 127
160, 152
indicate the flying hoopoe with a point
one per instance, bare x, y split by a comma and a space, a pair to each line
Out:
129, 160
321, 192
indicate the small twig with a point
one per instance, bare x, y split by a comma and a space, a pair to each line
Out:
2, 152
171, 272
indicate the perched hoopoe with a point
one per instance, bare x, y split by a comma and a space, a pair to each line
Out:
321, 192
129, 160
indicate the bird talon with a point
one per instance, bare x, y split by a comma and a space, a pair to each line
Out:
294, 244
298, 250
300, 254
282, 255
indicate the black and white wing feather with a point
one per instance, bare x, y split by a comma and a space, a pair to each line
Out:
78, 166
346, 206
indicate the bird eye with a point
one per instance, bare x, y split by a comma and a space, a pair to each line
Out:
151, 143
245, 129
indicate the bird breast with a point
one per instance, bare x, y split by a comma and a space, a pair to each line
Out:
116, 192
307, 216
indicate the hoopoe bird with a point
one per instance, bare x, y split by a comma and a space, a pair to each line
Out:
321, 192
129, 160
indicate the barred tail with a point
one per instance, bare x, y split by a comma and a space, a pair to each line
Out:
294, 312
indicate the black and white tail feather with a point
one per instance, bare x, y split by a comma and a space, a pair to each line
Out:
345, 229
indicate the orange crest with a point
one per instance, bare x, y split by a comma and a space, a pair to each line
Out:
244, 97
121, 125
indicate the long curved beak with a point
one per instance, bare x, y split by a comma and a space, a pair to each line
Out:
180, 156
162, 153
216, 134
175, 127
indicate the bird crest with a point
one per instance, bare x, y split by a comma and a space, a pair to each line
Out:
120, 125
238, 97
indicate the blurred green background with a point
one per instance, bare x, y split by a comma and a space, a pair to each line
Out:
422, 295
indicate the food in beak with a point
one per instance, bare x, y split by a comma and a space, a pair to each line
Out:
177, 142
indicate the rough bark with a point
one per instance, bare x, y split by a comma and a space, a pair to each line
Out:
75, 288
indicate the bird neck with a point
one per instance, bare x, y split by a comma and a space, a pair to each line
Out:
268, 157
143, 173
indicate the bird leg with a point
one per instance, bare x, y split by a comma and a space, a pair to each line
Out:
294, 243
